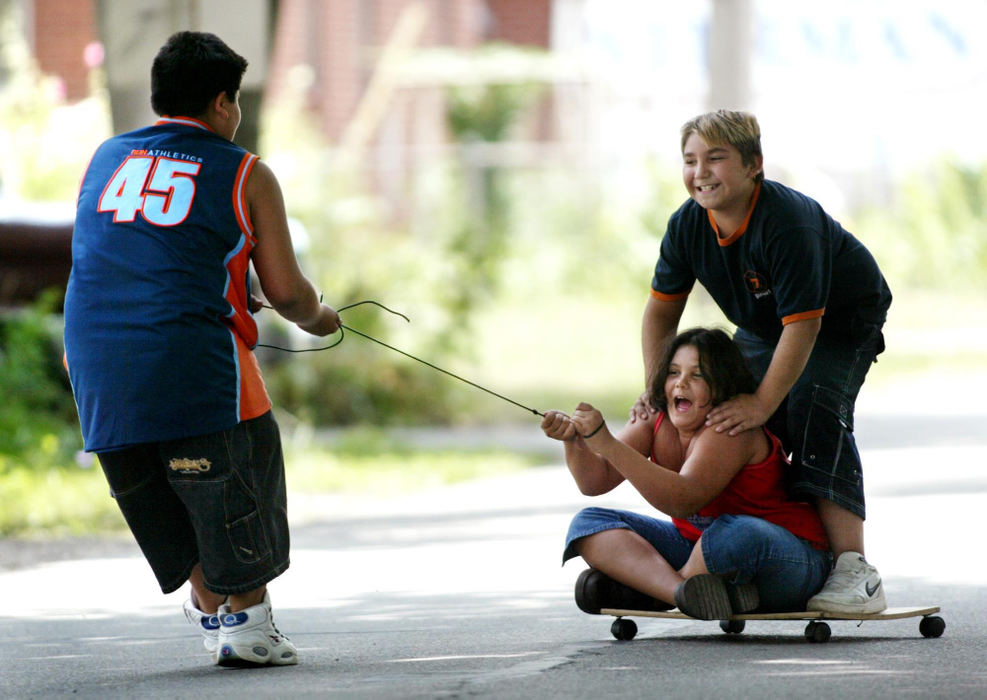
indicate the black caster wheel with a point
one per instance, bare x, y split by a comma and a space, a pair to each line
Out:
623, 629
732, 626
932, 626
817, 632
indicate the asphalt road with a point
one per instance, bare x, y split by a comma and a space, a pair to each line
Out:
458, 592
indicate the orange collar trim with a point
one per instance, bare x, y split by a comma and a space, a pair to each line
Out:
743, 226
187, 121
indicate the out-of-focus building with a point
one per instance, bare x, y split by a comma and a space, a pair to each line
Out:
850, 95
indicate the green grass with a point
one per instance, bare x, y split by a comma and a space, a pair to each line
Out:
547, 360
369, 461
56, 501
69, 500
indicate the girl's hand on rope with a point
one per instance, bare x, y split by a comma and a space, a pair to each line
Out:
558, 426
589, 423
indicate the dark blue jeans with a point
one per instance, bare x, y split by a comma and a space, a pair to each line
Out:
815, 422
787, 570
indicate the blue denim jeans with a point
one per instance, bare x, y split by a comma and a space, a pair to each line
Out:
217, 499
815, 422
786, 569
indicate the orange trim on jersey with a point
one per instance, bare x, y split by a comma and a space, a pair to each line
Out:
803, 316
187, 121
743, 226
254, 400
236, 293
240, 195
238, 265
660, 296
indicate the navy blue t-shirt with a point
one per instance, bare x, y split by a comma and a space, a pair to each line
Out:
791, 262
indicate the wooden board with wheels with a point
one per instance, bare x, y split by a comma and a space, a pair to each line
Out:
817, 630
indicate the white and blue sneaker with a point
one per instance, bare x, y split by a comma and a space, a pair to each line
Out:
853, 587
249, 638
207, 624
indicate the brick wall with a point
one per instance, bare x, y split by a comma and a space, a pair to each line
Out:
61, 31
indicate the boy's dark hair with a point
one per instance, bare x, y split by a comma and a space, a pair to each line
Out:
190, 70
720, 361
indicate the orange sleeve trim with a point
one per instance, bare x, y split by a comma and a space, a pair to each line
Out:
669, 297
240, 206
804, 316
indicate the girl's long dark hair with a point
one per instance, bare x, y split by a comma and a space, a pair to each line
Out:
720, 361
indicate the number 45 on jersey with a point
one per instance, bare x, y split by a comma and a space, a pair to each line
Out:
161, 189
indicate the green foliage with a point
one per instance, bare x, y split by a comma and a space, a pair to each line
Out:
440, 273
479, 229
56, 500
357, 382
485, 112
38, 426
934, 236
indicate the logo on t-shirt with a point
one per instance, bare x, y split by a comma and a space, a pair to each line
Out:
757, 284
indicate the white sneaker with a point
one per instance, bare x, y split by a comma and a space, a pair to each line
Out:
853, 587
207, 624
249, 638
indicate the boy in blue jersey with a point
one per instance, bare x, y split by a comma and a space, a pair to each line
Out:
809, 302
159, 335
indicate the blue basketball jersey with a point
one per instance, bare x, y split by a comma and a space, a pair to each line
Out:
158, 333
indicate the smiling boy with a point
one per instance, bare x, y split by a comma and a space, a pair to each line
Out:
809, 302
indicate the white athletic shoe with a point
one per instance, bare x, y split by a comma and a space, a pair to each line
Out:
853, 586
249, 638
206, 623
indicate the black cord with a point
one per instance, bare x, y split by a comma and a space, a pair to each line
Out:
401, 352
341, 327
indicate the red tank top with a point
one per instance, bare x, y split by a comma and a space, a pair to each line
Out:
758, 490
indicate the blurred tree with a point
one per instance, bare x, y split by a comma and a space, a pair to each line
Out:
477, 116
935, 234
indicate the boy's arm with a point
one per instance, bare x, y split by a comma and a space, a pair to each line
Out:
289, 291
661, 320
748, 411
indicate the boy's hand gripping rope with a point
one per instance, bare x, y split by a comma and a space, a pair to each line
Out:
401, 352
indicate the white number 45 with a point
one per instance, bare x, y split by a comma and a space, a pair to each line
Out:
161, 189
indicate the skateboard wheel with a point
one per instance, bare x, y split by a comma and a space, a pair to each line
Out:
932, 626
817, 632
732, 626
623, 629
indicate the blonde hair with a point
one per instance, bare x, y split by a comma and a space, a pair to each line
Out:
726, 127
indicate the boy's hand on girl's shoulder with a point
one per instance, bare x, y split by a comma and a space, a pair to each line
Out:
642, 409
742, 412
